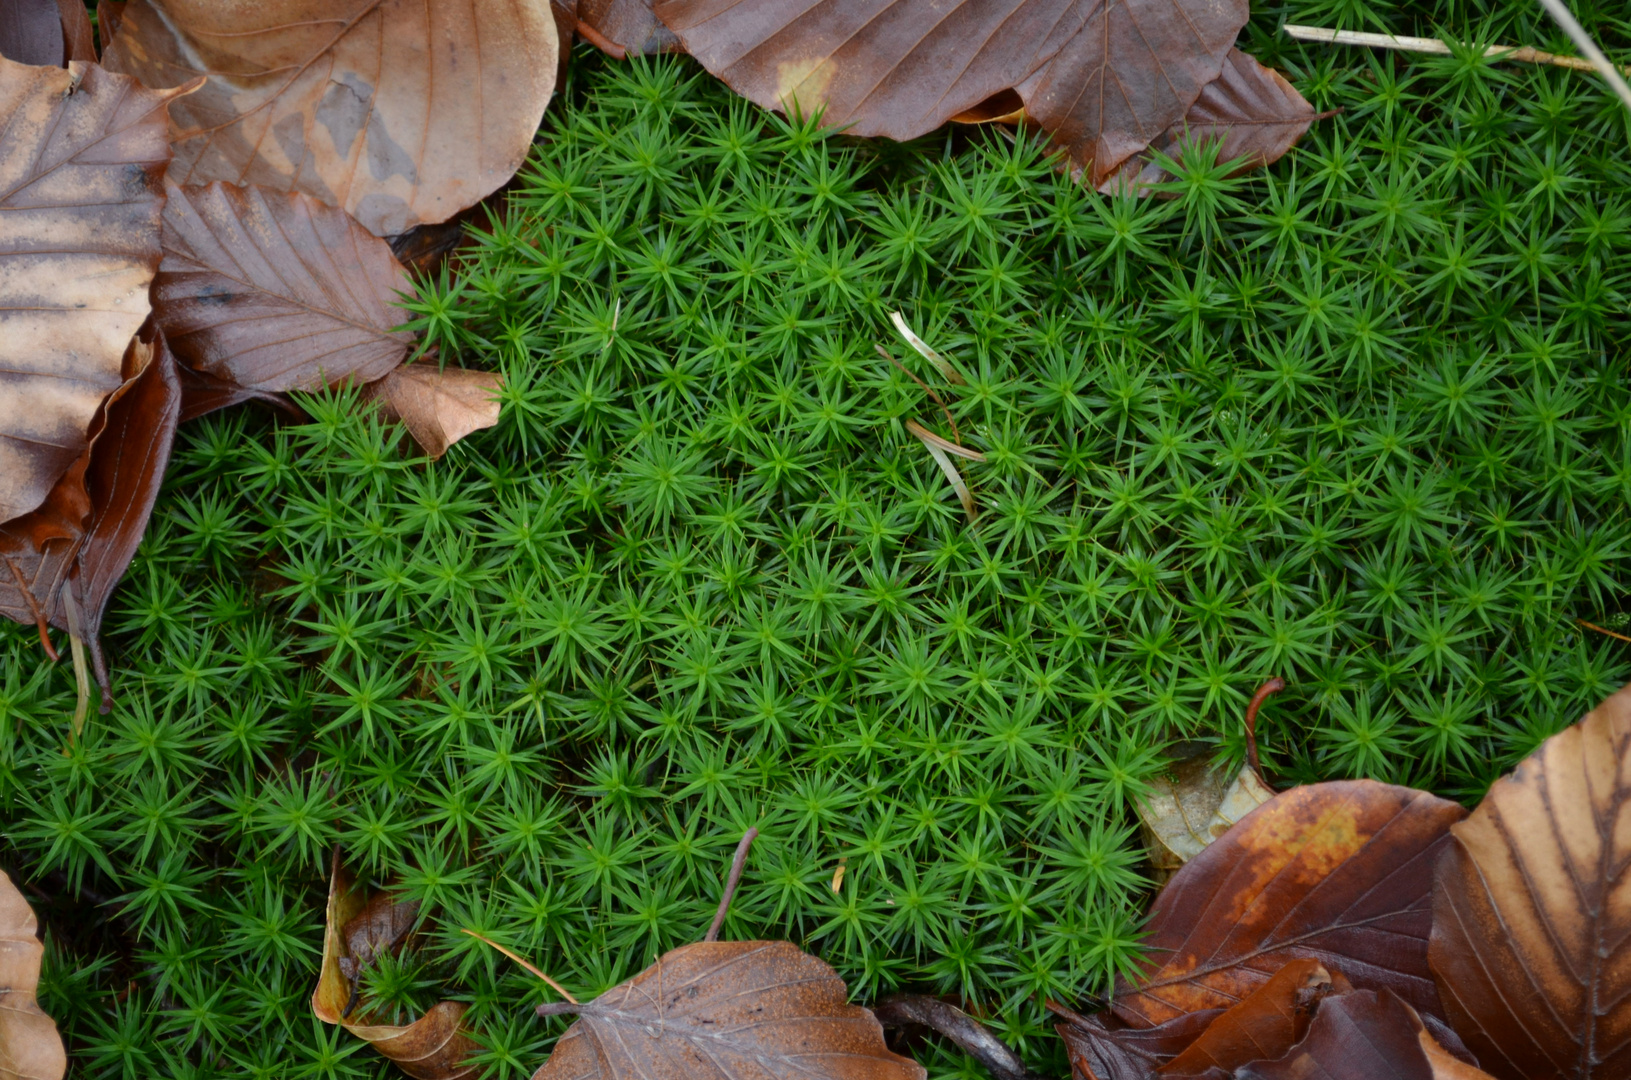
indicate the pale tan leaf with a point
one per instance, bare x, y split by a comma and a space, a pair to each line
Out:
30, 1048
438, 407
400, 111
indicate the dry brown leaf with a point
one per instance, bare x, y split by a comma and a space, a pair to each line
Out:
276, 291
623, 28
737, 1010
30, 1048
1194, 805
1339, 871
1250, 109
400, 111
81, 156
438, 407
1532, 909
1103, 1048
79, 42
1266, 1024
109, 13
1104, 79
1364, 1036
434, 1047
31, 32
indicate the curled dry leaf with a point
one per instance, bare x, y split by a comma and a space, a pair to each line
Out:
738, 1010
1250, 110
30, 1048
1103, 78
1270, 1021
81, 156
87, 548
276, 291
1341, 872
1364, 1036
434, 1047
1532, 909
399, 111
972, 1037
438, 407
1101, 1047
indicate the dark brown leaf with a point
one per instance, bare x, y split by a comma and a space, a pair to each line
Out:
434, 1047
109, 13
916, 1011
628, 24
1249, 109
1364, 1036
276, 291
1341, 872
377, 929
399, 111
124, 471
738, 1010
81, 157
1532, 909
1101, 1047
78, 40
202, 394
438, 407
1103, 78
30, 1048
31, 32
1270, 1021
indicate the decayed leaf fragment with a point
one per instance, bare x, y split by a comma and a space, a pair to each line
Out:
434, 1047
438, 407
738, 1010
82, 153
83, 538
1104, 79
399, 111
276, 291
30, 1048
623, 28
1267, 1023
1193, 806
1364, 1036
1338, 871
1532, 909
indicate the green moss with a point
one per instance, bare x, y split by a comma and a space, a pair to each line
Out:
1360, 421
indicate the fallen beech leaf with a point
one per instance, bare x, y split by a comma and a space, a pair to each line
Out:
1271, 1020
1250, 109
1364, 1036
1341, 872
1103, 78
1194, 806
30, 1048
739, 1010
629, 25
1103, 1048
109, 13
399, 111
438, 407
79, 42
381, 925
31, 32
81, 154
1532, 907
202, 394
123, 473
434, 1047
276, 291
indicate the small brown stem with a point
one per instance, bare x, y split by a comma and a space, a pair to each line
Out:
731, 882
971, 1036
34, 608
1274, 685
601, 41
1600, 630
558, 1008
883, 352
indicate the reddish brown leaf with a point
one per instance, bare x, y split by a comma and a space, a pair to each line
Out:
31, 32
30, 1048
738, 1010
1341, 872
276, 291
1104, 78
1103, 1048
124, 472
438, 407
81, 154
399, 111
109, 13
629, 25
1364, 1036
202, 394
78, 40
434, 1047
1250, 109
381, 926
1532, 909
1271, 1020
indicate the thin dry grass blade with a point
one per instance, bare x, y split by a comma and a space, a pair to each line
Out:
924, 351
